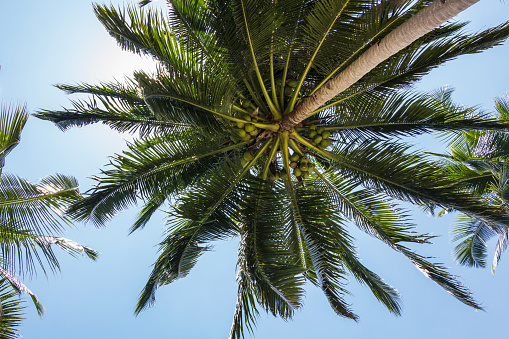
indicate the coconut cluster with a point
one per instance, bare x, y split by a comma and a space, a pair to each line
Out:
245, 129
301, 166
319, 136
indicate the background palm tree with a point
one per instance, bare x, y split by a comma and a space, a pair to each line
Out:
212, 144
480, 161
31, 218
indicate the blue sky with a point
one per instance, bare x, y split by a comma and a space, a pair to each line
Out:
55, 41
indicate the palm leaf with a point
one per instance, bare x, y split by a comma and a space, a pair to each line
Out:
12, 121
10, 311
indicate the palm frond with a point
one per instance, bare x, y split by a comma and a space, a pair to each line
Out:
472, 235
501, 246
157, 160
10, 311
316, 229
402, 115
22, 248
12, 120
20, 288
39, 207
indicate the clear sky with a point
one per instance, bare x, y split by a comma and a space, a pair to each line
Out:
55, 41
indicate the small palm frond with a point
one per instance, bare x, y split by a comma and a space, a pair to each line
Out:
385, 293
12, 120
10, 311
20, 288
472, 236
438, 273
39, 207
245, 310
22, 249
502, 107
501, 246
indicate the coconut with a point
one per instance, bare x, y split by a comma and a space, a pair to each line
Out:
289, 90
247, 117
240, 124
249, 128
245, 104
295, 157
242, 133
292, 82
326, 134
254, 132
303, 167
312, 134
320, 129
305, 175
297, 172
318, 139
293, 164
247, 156
312, 127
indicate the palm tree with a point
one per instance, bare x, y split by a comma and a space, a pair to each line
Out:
480, 161
220, 141
31, 218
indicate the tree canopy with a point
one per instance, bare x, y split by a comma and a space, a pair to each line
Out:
227, 139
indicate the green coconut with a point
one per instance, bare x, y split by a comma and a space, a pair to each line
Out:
249, 128
289, 90
292, 82
247, 156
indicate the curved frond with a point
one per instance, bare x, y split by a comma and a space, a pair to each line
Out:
12, 121
472, 235
10, 311
39, 207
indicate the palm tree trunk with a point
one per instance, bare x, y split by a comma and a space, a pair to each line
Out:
423, 22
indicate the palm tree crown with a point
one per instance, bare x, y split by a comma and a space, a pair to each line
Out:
479, 159
31, 220
227, 138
